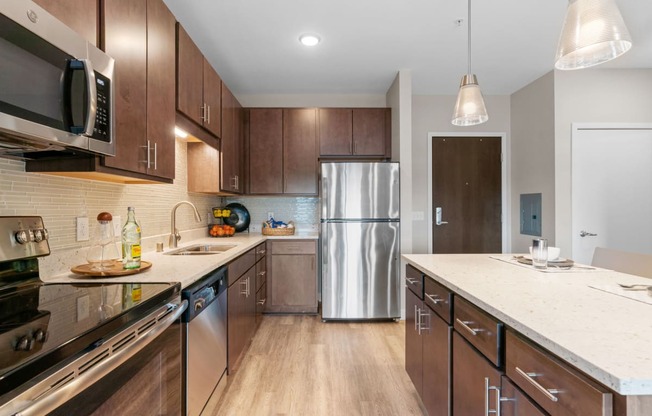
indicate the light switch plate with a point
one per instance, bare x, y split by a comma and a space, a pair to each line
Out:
418, 216
117, 225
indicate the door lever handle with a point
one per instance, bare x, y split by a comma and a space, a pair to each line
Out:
586, 234
438, 220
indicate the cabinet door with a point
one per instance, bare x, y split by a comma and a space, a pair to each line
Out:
79, 15
516, 403
265, 151
470, 369
241, 315
370, 131
127, 19
212, 99
436, 335
335, 132
160, 88
413, 341
294, 284
230, 143
300, 151
190, 64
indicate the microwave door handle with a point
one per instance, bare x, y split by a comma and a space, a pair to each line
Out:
92, 97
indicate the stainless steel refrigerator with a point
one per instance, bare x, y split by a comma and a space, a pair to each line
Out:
360, 240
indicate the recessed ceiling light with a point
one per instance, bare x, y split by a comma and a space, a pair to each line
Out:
309, 39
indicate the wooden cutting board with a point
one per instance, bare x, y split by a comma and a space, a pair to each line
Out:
114, 271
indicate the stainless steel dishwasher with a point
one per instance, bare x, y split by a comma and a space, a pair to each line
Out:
205, 339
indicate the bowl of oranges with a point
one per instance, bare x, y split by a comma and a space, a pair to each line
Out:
220, 230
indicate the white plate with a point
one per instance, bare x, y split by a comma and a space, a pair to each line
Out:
557, 260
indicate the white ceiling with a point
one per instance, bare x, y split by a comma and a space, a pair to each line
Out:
254, 46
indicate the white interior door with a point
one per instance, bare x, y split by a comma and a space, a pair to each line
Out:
611, 190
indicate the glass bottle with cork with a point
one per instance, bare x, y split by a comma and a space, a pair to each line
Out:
131, 241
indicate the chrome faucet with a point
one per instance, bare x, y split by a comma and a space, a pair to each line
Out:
174, 233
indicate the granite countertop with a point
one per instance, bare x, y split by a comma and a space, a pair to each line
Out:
607, 336
184, 269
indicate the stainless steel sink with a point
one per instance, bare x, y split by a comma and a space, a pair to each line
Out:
199, 249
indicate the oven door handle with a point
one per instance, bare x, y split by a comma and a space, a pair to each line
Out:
63, 385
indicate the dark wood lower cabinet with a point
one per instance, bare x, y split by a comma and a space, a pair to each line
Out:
292, 285
413, 341
470, 370
515, 402
241, 316
436, 335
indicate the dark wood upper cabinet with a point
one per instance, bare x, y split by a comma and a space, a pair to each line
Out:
144, 97
231, 153
354, 133
265, 150
300, 151
161, 88
199, 95
371, 132
80, 15
335, 131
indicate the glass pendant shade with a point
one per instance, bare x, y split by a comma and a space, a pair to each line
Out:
469, 108
594, 32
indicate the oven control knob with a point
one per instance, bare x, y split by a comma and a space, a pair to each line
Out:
22, 237
25, 343
41, 336
38, 236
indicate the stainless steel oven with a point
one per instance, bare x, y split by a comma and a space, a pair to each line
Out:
83, 349
56, 88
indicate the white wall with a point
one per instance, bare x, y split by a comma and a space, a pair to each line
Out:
432, 114
592, 95
533, 155
399, 99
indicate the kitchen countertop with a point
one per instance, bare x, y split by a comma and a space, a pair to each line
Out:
185, 269
607, 336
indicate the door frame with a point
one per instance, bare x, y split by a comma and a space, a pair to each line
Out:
505, 197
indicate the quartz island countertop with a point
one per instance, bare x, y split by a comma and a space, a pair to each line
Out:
608, 337
184, 269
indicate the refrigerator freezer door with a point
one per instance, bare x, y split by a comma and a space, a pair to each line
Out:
360, 190
360, 278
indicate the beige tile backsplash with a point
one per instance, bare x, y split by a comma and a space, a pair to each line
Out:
60, 200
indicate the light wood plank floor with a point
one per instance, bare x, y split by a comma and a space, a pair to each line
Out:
298, 365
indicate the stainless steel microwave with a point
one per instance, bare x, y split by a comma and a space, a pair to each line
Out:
56, 88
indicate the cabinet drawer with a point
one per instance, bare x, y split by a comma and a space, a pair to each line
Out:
294, 247
261, 250
414, 280
553, 384
483, 331
240, 265
438, 298
261, 274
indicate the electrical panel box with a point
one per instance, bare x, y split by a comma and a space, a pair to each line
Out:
531, 214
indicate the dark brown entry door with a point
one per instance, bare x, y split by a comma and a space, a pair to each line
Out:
467, 188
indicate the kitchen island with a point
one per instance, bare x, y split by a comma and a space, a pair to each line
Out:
606, 336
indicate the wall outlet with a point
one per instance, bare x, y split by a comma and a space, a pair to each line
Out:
270, 215
83, 233
83, 307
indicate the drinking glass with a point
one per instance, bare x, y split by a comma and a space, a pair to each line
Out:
540, 253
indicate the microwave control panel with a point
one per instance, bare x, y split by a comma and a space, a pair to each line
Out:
102, 130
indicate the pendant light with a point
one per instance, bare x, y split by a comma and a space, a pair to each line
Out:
469, 108
594, 32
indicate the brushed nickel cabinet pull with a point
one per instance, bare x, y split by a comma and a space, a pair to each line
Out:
465, 325
529, 377
411, 281
155, 156
487, 387
434, 299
